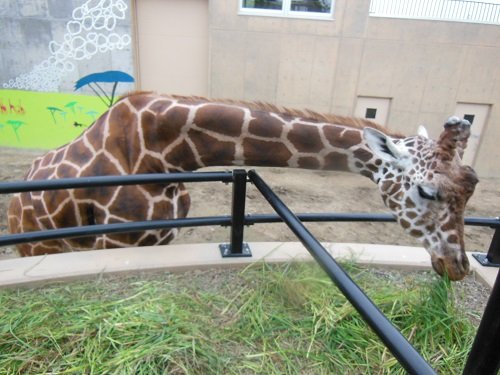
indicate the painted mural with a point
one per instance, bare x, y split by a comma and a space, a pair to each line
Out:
46, 107
30, 119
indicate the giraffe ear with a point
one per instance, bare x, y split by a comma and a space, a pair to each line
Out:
383, 146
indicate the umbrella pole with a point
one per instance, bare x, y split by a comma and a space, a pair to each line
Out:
113, 94
98, 95
104, 93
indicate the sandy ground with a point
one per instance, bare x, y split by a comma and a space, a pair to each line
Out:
303, 191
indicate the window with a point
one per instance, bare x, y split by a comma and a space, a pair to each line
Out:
371, 113
373, 108
477, 115
320, 9
469, 118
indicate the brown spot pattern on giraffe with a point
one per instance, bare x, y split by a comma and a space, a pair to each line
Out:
405, 224
182, 156
66, 215
220, 119
94, 134
160, 106
150, 164
78, 153
66, 170
210, 149
340, 137
162, 130
305, 138
129, 203
139, 102
409, 203
362, 154
411, 215
100, 166
43, 174
257, 152
265, 125
123, 142
416, 233
336, 161
308, 162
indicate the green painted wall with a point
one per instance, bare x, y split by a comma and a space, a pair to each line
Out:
45, 120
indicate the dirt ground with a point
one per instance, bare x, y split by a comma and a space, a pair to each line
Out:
304, 191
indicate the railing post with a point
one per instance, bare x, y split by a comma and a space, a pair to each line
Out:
237, 248
492, 258
484, 358
494, 250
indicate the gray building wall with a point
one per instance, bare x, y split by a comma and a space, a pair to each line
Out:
46, 45
424, 67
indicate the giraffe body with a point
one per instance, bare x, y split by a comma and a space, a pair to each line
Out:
420, 180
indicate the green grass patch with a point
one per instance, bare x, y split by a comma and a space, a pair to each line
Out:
265, 319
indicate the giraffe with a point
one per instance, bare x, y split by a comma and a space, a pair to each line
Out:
422, 181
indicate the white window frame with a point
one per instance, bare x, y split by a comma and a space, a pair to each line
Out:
286, 12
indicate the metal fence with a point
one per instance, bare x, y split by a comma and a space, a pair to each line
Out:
443, 10
483, 358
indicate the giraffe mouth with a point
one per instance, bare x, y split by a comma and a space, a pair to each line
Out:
455, 267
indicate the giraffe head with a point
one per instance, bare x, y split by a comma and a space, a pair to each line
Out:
426, 186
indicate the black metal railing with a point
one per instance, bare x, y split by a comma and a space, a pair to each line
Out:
483, 358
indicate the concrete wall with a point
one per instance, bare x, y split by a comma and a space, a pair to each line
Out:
424, 67
46, 45
172, 40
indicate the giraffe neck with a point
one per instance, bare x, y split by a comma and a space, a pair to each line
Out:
188, 134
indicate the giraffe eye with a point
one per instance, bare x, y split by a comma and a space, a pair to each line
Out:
427, 193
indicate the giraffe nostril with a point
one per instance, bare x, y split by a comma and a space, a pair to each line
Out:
464, 263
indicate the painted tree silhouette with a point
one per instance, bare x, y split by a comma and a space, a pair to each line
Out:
93, 81
93, 114
71, 106
54, 110
16, 124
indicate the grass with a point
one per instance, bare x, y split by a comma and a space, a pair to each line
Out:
266, 319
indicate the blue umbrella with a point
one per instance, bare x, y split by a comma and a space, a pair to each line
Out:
111, 76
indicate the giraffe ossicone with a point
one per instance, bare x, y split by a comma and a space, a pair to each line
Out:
422, 181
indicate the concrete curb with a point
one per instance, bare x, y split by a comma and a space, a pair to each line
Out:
41, 269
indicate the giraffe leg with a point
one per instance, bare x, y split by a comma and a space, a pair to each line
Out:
172, 203
131, 204
21, 220
181, 203
147, 202
15, 222
176, 206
